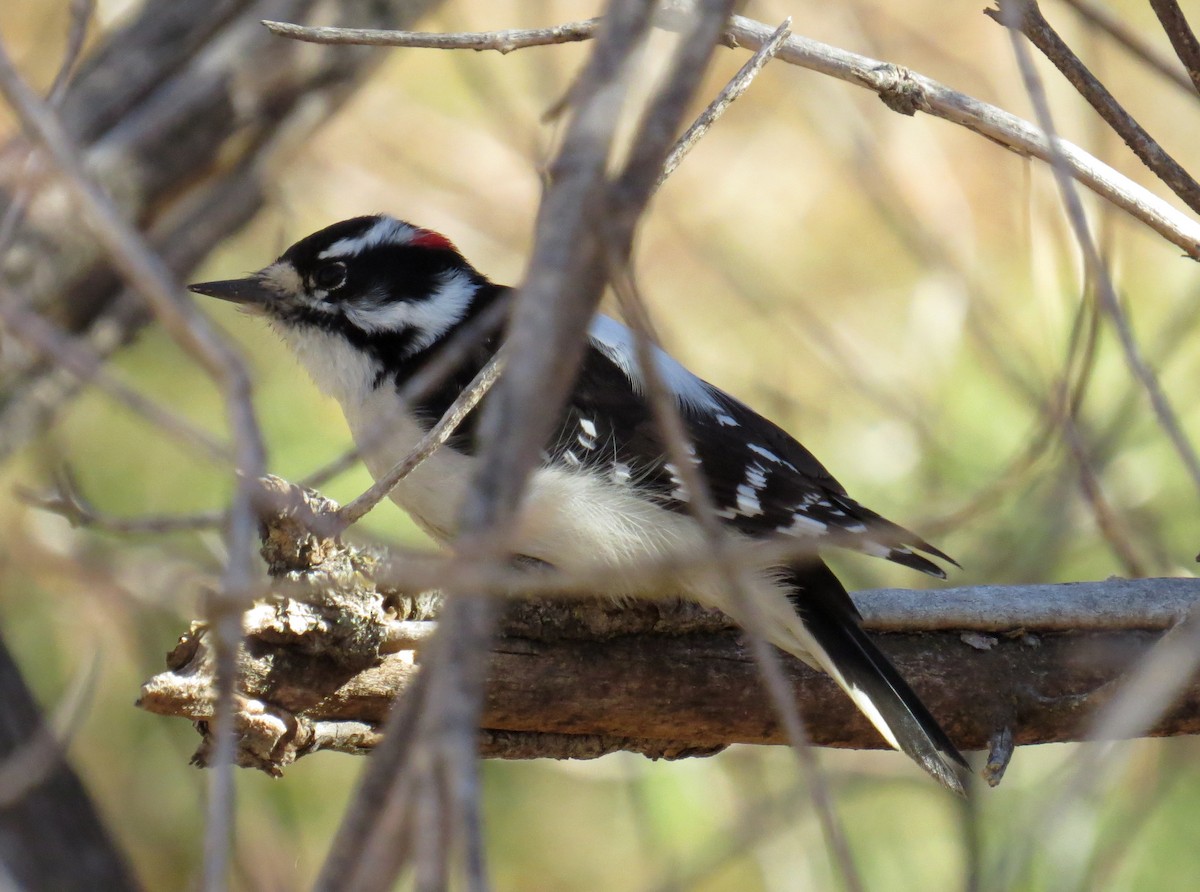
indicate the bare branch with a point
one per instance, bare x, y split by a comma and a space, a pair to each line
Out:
1100, 17
545, 340
741, 604
146, 272
433, 440
70, 354
732, 91
81, 16
1035, 27
142, 267
1097, 271
1182, 38
1164, 671
640, 675
501, 41
52, 837
68, 502
906, 91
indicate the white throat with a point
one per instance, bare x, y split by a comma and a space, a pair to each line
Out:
337, 367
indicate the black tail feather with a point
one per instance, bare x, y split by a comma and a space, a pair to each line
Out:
831, 618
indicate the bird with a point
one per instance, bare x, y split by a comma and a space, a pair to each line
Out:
366, 302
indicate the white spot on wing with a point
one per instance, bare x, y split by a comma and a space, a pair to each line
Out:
756, 476
726, 420
804, 525
587, 434
769, 455
617, 343
747, 501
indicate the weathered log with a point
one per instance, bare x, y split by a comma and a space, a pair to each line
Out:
579, 678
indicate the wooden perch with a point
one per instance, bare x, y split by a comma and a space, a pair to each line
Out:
580, 678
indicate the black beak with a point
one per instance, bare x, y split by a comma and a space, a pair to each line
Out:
251, 290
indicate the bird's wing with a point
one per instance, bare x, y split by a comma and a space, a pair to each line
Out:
762, 480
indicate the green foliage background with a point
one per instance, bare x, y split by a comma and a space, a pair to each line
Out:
784, 263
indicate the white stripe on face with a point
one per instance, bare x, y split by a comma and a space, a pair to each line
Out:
429, 318
384, 230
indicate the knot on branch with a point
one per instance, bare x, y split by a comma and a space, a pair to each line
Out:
325, 626
899, 89
291, 520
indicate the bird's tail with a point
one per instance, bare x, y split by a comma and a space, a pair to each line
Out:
833, 638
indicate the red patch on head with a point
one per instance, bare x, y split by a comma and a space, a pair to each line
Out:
427, 238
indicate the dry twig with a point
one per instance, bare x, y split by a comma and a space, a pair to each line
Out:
1167, 668
433, 440
1182, 38
146, 272
640, 674
1035, 27
1099, 16
906, 91
502, 42
545, 339
734, 577
730, 93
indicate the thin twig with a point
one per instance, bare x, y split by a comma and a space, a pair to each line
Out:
700, 504
74, 356
81, 17
28, 766
1183, 39
1097, 271
1170, 665
433, 440
732, 91
1040, 33
501, 41
433, 373
367, 852
734, 578
149, 276
68, 502
142, 267
1141, 49
907, 91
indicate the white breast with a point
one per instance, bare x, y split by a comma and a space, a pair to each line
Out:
573, 518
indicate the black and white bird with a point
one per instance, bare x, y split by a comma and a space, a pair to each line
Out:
366, 302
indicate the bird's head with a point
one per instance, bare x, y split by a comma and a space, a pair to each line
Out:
369, 279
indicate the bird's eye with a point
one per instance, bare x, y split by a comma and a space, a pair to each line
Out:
330, 276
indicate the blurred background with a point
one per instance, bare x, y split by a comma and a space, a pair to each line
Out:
898, 292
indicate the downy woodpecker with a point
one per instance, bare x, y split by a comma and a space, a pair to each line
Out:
365, 302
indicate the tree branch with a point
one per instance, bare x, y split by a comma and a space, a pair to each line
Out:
1099, 16
51, 835
1183, 39
580, 678
1030, 21
901, 90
